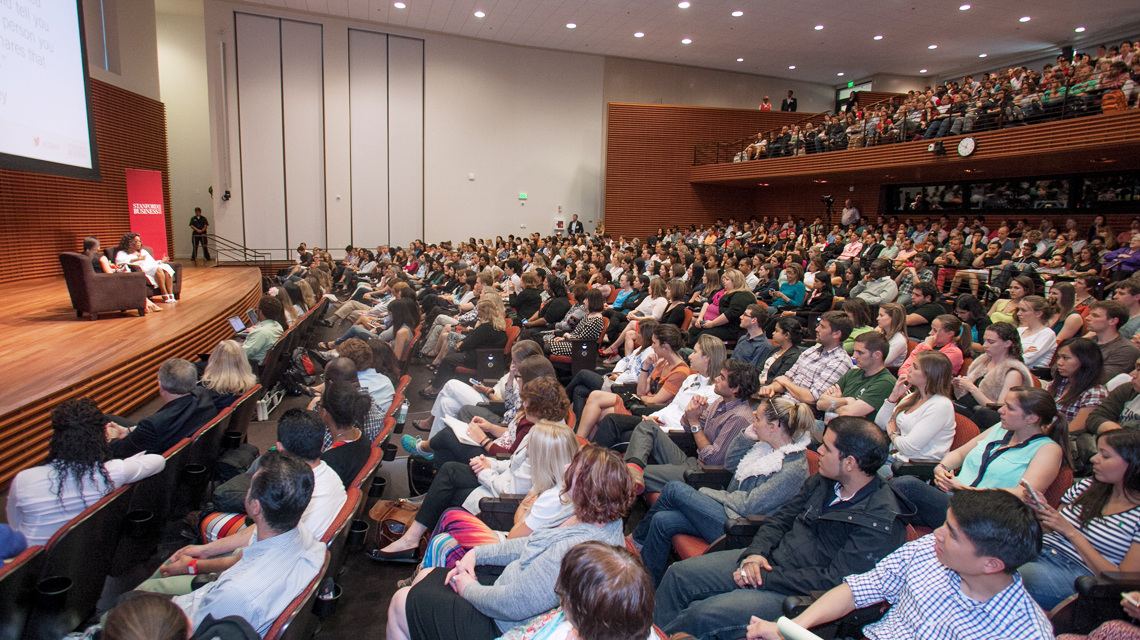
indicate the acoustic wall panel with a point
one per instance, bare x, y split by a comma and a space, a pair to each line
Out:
368, 136
260, 130
302, 107
406, 139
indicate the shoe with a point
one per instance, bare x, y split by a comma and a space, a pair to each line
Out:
408, 555
325, 323
638, 476
411, 444
427, 396
614, 359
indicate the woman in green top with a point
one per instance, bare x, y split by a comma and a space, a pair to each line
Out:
1003, 310
266, 333
861, 317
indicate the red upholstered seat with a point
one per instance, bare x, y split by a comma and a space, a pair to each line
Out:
688, 546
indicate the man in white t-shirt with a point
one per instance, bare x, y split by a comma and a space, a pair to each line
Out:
850, 213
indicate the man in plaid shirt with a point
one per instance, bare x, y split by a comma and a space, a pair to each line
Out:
910, 276
821, 366
959, 582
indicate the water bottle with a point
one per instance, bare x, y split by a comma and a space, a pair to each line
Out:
402, 416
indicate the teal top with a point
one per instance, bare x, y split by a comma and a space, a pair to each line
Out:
795, 293
990, 466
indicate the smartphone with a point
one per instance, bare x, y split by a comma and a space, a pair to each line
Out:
474, 382
1033, 494
1132, 600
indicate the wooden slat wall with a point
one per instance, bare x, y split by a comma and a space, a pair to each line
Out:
42, 216
649, 155
128, 383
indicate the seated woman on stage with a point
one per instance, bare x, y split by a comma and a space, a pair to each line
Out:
444, 605
263, 335
543, 399
228, 375
93, 250
1031, 442
550, 447
78, 473
157, 272
769, 466
460, 400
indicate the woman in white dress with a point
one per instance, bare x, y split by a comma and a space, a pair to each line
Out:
159, 273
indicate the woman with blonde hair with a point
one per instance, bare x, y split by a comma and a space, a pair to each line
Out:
920, 423
892, 324
292, 311
769, 464
308, 295
549, 448
490, 332
992, 375
733, 304
228, 375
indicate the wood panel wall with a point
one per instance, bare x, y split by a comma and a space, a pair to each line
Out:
649, 155
42, 216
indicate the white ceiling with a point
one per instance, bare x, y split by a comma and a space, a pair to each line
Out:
771, 35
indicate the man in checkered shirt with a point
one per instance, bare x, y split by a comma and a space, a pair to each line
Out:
821, 366
959, 582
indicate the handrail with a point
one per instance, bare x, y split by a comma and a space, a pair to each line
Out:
1053, 100
236, 251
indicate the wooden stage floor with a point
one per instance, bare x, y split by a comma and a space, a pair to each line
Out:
49, 355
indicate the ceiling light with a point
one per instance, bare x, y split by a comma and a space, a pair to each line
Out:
792, 66
922, 70
479, 14
400, 5
1024, 19
933, 46
1079, 29
964, 7
687, 41
740, 59
878, 37
571, 25
683, 5
737, 14
819, 27
982, 55
839, 74
639, 35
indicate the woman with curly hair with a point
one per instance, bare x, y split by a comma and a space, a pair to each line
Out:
454, 604
80, 470
158, 273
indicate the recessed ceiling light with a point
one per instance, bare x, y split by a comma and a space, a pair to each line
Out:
571, 25
878, 37
819, 27
740, 59
1079, 29
792, 66
933, 46
639, 35
399, 5
982, 55
737, 14
839, 74
687, 41
1024, 19
683, 5
479, 14
922, 70
964, 7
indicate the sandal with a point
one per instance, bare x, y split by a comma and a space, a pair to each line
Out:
326, 346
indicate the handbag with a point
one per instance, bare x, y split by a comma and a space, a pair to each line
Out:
390, 519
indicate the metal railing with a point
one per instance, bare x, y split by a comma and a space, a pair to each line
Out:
1058, 100
237, 252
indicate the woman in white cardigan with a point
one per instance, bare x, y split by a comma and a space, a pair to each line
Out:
920, 424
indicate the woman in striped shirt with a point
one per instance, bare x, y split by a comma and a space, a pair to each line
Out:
1097, 528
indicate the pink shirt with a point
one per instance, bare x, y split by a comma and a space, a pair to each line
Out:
951, 351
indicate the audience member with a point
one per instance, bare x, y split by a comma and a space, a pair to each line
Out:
1038, 342
786, 340
862, 390
922, 310
187, 407
753, 347
228, 375
920, 423
343, 409
818, 368
268, 330
1119, 354
992, 375
948, 336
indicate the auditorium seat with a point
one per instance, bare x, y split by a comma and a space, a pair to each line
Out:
18, 579
298, 622
337, 533
155, 495
94, 293
69, 558
585, 353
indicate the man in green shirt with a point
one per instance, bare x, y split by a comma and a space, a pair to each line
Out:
862, 390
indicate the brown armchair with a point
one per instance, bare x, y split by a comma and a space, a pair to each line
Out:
151, 290
95, 293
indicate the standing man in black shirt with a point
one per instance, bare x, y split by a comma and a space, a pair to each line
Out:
198, 225
789, 103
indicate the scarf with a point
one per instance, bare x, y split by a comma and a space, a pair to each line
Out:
762, 460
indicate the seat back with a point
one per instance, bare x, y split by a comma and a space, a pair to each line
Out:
910, 346
206, 443
364, 476
613, 295
73, 553
688, 319
155, 495
297, 621
1061, 484
813, 462
385, 432
403, 384
964, 431
512, 335
17, 588
337, 533
77, 274
243, 409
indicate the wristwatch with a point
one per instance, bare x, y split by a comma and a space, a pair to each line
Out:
695, 428
192, 567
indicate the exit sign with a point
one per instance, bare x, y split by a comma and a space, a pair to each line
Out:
522, 195
850, 84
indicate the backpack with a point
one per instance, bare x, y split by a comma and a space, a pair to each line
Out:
306, 368
1113, 100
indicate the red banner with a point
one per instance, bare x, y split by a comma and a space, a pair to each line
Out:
148, 218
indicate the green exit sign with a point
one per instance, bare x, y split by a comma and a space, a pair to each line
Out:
850, 84
522, 195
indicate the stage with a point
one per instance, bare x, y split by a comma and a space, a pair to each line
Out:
48, 355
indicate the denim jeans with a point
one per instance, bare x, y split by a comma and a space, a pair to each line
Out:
1049, 578
698, 596
680, 509
355, 331
931, 502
